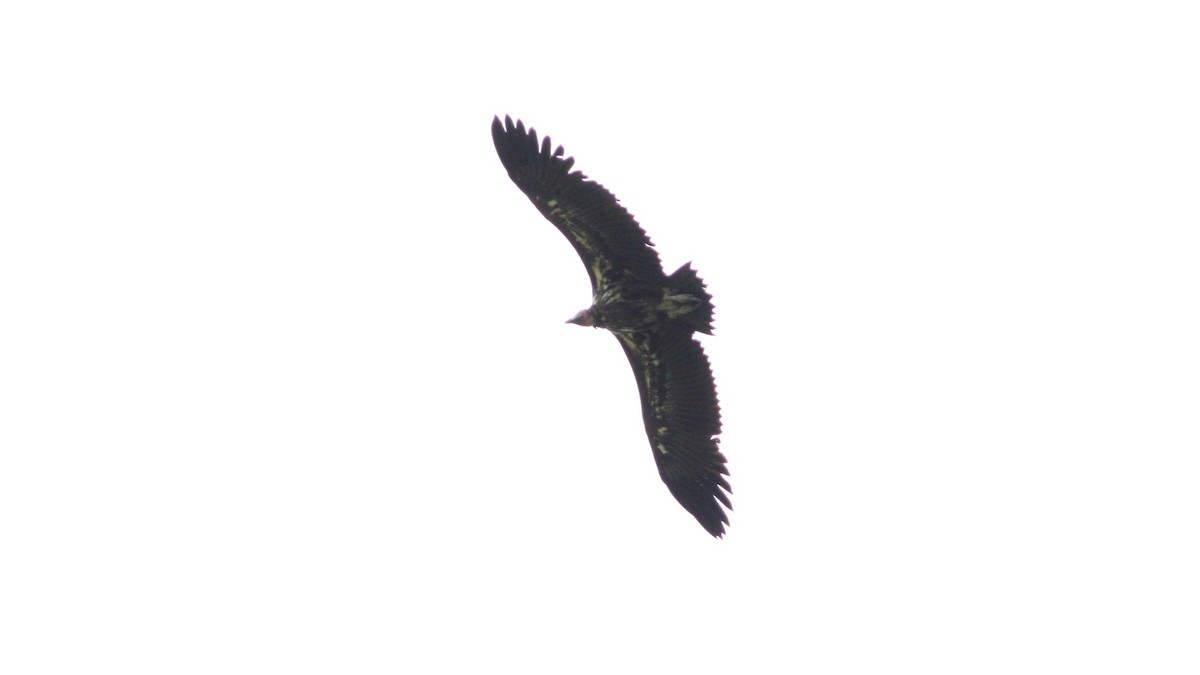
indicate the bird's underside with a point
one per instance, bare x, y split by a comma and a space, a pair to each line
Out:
653, 316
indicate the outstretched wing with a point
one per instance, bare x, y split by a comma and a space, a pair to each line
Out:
608, 239
683, 419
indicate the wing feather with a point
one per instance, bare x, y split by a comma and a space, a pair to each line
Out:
609, 240
683, 420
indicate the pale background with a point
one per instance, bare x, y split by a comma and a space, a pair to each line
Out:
285, 387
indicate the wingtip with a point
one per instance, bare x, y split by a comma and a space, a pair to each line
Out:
716, 528
705, 505
506, 126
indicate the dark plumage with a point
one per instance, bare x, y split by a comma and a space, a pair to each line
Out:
652, 314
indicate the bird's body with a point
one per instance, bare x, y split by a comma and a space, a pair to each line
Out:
653, 316
632, 306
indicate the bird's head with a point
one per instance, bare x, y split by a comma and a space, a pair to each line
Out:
583, 318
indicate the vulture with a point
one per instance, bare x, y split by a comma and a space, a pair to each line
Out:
652, 314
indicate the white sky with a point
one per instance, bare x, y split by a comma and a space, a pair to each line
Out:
285, 384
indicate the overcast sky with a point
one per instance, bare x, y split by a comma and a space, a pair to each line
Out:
285, 384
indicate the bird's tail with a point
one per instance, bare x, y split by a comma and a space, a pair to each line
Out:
685, 281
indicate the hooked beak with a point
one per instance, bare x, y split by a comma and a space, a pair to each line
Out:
584, 318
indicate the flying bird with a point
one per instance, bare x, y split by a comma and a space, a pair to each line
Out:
652, 314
